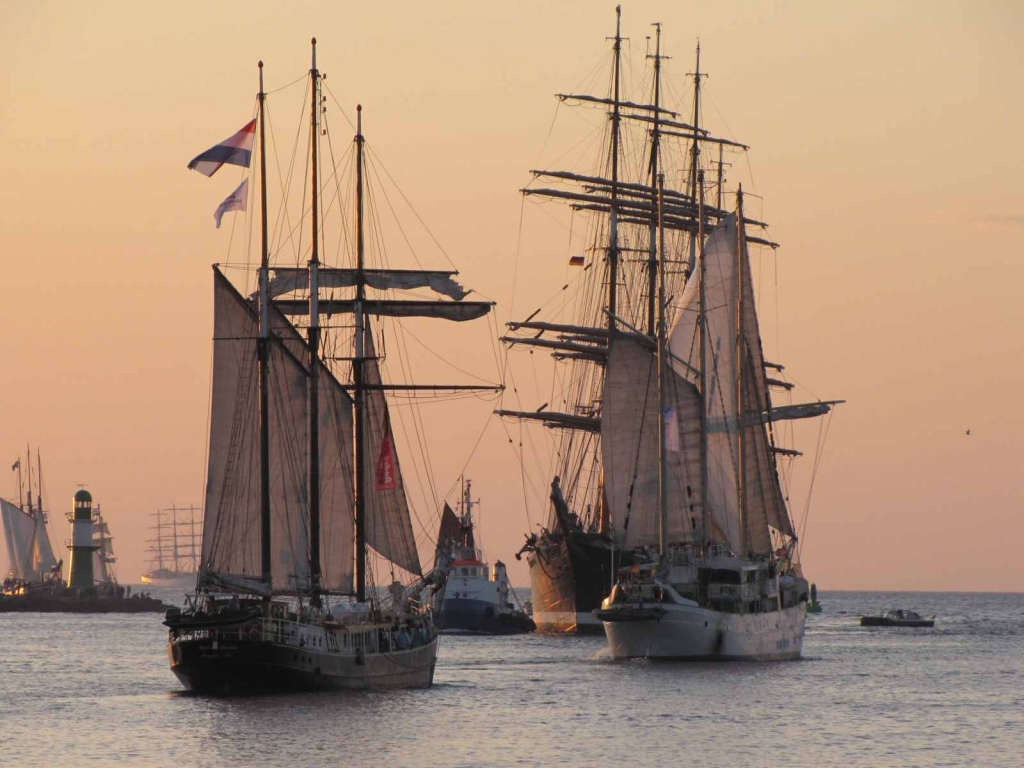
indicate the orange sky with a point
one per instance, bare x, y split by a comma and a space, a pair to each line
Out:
886, 144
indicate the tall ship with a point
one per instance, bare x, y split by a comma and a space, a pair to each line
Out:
642, 239
174, 548
305, 491
31, 563
478, 598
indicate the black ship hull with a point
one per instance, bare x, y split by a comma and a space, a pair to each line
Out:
569, 577
479, 617
240, 666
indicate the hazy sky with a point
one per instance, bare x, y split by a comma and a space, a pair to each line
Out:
886, 143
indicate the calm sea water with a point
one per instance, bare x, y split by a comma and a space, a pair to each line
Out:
97, 690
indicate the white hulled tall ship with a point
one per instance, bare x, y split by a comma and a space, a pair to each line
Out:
637, 338
174, 548
304, 483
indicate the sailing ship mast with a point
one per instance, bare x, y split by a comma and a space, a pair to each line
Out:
314, 344
358, 373
263, 355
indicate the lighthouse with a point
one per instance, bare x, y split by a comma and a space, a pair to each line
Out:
81, 541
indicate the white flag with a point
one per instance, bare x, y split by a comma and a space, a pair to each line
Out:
236, 201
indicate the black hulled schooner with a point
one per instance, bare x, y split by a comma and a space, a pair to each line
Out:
599, 521
303, 478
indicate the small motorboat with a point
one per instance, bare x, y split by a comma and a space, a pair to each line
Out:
898, 618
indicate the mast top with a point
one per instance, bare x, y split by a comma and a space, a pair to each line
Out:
313, 42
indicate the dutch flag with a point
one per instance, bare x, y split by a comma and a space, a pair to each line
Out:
234, 151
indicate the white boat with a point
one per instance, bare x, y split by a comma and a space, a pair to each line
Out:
304, 483
690, 460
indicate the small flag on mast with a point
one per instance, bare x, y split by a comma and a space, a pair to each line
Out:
16, 465
575, 261
236, 201
236, 150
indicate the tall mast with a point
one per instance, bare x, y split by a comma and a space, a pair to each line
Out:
314, 345
702, 342
263, 353
174, 537
39, 480
695, 152
652, 263
613, 245
740, 372
357, 371
28, 496
662, 334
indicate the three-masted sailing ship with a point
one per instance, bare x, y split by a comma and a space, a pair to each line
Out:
656, 369
303, 478
174, 548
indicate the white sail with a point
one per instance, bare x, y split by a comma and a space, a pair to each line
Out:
29, 554
629, 434
19, 534
388, 525
764, 504
720, 398
231, 529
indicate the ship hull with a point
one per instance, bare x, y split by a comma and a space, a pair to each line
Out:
692, 633
261, 666
478, 616
569, 577
71, 604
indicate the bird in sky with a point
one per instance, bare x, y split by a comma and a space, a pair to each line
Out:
968, 432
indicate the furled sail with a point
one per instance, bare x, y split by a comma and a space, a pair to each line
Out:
629, 434
443, 282
231, 530
388, 525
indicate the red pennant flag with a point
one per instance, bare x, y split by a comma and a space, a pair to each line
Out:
386, 477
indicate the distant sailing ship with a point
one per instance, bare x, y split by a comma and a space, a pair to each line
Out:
30, 560
476, 599
174, 551
304, 479
35, 584
605, 493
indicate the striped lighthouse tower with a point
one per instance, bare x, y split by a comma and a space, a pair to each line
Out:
81, 541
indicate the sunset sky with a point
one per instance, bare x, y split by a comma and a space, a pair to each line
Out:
886, 145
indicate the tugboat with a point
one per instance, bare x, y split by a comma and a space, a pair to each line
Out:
477, 600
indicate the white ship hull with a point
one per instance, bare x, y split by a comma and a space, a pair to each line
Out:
689, 632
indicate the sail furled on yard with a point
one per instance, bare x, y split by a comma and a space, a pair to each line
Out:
388, 525
231, 530
443, 282
726, 264
629, 435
